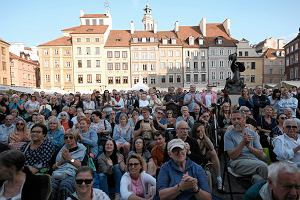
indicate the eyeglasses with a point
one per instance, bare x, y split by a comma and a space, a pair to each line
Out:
289, 127
283, 118
86, 113
86, 181
133, 164
69, 137
160, 113
63, 115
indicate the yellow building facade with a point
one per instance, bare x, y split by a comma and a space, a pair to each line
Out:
4, 63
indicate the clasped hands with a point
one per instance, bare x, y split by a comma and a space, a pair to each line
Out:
187, 182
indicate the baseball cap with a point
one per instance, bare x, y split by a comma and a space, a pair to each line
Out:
175, 143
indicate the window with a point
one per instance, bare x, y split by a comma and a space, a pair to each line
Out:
88, 51
100, 21
144, 55
170, 65
56, 51
94, 21
97, 63
170, 53
46, 52
188, 65
145, 80
98, 78
125, 66
136, 55
87, 39
136, 67
124, 54
178, 78
162, 65
118, 80
221, 63
89, 78
221, 52
252, 65
171, 79
177, 53
287, 61
79, 51
109, 54
88, 63
228, 74
240, 53
97, 50
229, 51
152, 56
56, 63
213, 63
195, 65
117, 54
87, 22
219, 41
270, 71
47, 78
109, 66
152, 80
202, 54
117, 66
162, 53
125, 79
246, 53
135, 80
79, 63
201, 42
67, 52
97, 39
163, 79
203, 78
196, 78
152, 67
78, 39
144, 67
68, 64
221, 75
80, 78
252, 79
188, 78
202, 65
3, 65
213, 75
110, 80
178, 65
68, 78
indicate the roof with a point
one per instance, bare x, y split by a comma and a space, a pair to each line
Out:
168, 35
1, 40
118, 38
87, 29
62, 41
14, 56
144, 34
211, 42
271, 53
186, 31
215, 30
94, 16
293, 40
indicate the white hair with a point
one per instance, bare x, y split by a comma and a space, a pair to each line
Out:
287, 121
281, 167
179, 123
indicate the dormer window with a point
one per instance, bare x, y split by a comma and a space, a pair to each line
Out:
144, 39
152, 39
87, 21
219, 40
100, 21
173, 41
191, 40
135, 40
165, 41
201, 41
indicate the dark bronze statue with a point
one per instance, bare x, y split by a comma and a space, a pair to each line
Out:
235, 85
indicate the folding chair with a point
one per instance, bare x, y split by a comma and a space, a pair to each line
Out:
227, 171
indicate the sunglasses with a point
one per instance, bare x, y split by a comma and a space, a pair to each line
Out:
289, 127
133, 164
69, 137
86, 181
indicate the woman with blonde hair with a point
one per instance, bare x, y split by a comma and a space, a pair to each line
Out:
245, 99
20, 136
55, 132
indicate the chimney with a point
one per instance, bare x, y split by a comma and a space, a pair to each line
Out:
155, 27
226, 25
202, 26
81, 13
132, 27
176, 29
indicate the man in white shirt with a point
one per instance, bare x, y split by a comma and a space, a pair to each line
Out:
6, 129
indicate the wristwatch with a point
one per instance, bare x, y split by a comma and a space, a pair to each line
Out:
72, 160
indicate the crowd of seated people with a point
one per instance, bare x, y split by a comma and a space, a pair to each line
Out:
148, 145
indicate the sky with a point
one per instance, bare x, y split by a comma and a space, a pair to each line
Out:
34, 22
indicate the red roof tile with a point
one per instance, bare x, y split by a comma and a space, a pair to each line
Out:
168, 35
62, 41
94, 16
87, 29
143, 34
271, 53
14, 56
118, 38
215, 30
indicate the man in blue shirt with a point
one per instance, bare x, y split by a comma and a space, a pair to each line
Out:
181, 178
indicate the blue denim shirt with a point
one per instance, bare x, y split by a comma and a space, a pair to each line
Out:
170, 175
